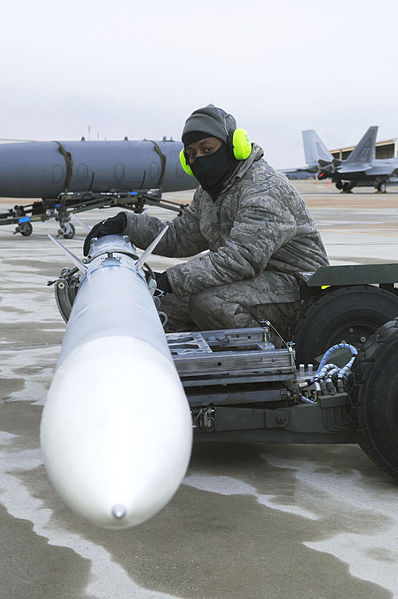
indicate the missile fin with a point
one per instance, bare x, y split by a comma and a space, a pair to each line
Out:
142, 259
76, 261
81, 223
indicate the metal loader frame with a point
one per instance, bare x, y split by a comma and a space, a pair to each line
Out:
240, 387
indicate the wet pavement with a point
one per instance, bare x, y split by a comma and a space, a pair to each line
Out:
249, 521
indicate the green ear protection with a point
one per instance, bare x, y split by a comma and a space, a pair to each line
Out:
241, 145
238, 144
185, 167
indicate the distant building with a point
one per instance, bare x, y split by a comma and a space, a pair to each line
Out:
384, 149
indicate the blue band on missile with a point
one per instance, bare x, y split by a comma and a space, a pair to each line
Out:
57, 205
134, 193
24, 219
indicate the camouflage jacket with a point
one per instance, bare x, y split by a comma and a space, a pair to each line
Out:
258, 223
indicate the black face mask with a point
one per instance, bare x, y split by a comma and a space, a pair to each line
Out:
211, 171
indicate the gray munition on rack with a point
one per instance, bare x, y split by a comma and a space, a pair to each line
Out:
41, 169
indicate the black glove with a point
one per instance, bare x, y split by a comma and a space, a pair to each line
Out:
162, 282
110, 226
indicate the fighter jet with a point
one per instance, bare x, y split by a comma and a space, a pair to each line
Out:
315, 153
360, 169
307, 171
75, 176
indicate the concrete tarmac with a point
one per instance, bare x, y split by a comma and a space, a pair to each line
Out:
249, 521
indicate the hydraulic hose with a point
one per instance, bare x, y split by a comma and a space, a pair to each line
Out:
335, 348
327, 372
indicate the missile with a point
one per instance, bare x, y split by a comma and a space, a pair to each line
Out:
46, 169
116, 428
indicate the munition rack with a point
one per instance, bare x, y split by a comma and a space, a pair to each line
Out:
62, 208
241, 387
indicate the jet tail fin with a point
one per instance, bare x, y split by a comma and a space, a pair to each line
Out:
314, 148
365, 149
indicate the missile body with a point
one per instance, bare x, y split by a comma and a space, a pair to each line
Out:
47, 169
116, 429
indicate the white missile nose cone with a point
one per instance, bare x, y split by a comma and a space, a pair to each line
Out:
116, 431
119, 511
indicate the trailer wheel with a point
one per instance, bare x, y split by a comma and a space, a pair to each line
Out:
351, 314
68, 230
26, 229
373, 390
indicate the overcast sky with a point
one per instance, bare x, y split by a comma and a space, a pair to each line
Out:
139, 68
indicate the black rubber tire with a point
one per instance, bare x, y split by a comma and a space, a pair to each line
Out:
347, 187
373, 389
351, 314
382, 187
26, 229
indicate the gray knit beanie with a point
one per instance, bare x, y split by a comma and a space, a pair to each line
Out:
210, 120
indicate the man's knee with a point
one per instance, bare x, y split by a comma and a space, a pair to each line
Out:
282, 316
176, 314
210, 310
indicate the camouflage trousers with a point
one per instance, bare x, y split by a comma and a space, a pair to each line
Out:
238, 305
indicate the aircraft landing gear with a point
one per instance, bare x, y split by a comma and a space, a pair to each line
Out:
381, 187
347, 187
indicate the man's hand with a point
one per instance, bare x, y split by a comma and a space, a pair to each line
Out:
162, 282
111, 226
